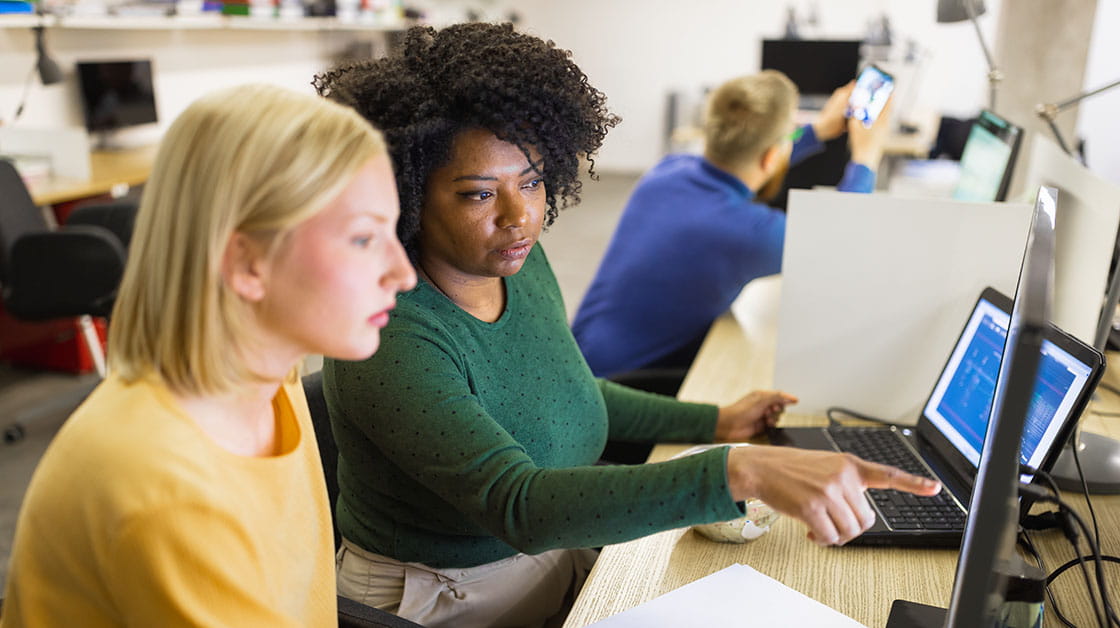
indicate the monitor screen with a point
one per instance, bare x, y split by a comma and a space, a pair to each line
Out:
986, 161
992, 523
116, 94
815, 66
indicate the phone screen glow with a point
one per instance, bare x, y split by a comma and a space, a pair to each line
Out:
873, 88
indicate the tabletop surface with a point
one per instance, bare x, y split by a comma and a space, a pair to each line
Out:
860, 582
107, 169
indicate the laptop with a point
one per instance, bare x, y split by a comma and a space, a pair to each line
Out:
949, 436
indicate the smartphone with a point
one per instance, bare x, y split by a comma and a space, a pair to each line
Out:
873, 88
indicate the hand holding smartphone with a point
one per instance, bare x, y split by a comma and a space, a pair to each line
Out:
873, 88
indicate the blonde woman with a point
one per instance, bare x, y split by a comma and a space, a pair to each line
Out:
187, 490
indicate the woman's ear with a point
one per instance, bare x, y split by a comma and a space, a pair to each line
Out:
245, 267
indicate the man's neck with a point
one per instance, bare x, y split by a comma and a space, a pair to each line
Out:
751, 175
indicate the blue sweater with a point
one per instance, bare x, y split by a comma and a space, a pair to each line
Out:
690, 237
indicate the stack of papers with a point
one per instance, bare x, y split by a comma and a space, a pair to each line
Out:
736, 596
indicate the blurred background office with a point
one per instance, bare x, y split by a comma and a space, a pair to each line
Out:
653, 58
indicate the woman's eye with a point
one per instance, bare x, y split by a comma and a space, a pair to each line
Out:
477, 195
535, 183
362, 241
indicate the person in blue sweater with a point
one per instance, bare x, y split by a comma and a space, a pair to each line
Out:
693, 234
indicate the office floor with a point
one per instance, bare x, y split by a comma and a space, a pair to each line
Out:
42, 401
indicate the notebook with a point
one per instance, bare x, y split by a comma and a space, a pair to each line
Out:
949, 435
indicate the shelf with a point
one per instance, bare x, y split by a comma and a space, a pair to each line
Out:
199, 22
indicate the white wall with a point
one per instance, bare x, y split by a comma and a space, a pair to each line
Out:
186, 63
636, 51
1099, 121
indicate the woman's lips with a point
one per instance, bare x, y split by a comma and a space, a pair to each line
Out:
381, 319
518, 251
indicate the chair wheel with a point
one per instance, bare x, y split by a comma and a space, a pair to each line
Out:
13, 433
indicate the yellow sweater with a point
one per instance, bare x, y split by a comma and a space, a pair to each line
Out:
135, 517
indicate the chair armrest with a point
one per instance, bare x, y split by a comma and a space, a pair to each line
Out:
73, 271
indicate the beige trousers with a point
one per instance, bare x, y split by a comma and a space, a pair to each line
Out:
521, 590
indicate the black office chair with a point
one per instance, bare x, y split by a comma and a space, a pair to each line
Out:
45, 273
49, 273
351, 614
328, 451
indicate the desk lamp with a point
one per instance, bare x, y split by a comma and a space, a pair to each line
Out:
949, 11
1100, 455
46, 67
49, 72
1048, 112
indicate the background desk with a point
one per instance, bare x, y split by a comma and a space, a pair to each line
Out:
108, 169
860, 582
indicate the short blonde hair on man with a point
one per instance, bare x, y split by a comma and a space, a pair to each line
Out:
747, 115
256, 159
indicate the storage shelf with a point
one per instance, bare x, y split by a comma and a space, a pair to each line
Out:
199, 22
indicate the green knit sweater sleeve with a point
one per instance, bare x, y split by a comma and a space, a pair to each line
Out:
453, 468
462, 442
642, 417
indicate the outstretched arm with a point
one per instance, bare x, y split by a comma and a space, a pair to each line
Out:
823, 489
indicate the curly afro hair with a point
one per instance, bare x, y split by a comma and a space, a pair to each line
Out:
524, 90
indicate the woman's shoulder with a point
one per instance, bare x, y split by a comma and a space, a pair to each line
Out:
129, 450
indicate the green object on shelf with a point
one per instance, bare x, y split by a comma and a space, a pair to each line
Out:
231, 8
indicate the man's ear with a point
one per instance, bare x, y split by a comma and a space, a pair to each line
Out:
245, 267
771, 160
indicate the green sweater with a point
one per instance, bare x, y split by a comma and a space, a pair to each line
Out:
463, 442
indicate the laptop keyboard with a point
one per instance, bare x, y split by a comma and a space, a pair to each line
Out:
901, 511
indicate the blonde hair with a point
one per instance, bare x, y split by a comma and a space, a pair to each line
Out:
747, 115
255, 159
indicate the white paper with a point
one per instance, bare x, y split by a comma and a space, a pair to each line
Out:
875, 291
735, 596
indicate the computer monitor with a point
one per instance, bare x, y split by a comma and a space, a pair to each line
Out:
816, 66
993, 512
989, 153
116, 94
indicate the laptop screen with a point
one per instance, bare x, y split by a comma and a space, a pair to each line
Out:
961, 401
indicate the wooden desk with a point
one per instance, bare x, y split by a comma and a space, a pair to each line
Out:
860, 582
108, 169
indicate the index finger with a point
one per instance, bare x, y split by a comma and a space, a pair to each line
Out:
876, 475
784, 398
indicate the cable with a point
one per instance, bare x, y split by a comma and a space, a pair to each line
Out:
1105, 614
1026, 541
1073, 561
832, 421
23, 98
1085, 490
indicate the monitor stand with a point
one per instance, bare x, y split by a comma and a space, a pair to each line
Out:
906, 614
109, 142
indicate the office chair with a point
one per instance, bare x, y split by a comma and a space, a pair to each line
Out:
73, 271
69, 272
351, 614
328, 451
